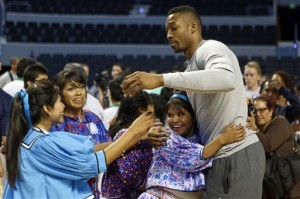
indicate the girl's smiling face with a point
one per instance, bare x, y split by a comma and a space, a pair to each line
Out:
180, 120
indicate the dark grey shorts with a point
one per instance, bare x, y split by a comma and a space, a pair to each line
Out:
238, 176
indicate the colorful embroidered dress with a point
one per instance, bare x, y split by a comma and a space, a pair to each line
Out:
91, 124
128, 173
178, 165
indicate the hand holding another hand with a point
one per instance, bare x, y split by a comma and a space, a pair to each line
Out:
141, 125
158, 135
140, 80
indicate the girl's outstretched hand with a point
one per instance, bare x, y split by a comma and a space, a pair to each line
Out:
141, 125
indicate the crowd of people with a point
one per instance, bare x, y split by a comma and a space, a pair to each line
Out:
205, 132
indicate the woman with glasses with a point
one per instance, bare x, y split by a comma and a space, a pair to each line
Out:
274, 132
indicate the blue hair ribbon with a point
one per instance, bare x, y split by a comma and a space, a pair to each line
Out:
181, 96
25, 99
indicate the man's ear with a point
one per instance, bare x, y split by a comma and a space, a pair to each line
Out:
193, 27
47, 109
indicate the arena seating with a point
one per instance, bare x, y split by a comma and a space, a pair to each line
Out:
51, 32
132, 33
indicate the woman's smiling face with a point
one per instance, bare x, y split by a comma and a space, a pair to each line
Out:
74, 96
180, 121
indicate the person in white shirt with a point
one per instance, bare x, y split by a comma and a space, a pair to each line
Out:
252, 75
10, 75
15, 86
116, 96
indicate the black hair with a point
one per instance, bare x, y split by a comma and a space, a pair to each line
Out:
128, 111
188, 10
115, 90
75, 74
102, 80
33, 71
270, 102
287, 80
180, 103
39, 94
160, 108
22, 65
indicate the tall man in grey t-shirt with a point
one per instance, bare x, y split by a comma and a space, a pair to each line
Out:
214, 83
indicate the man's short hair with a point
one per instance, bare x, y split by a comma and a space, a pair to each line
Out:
188, 10
23, 64
33, 71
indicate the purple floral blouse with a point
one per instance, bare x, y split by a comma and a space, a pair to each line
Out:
178, 165
128, 173
91, 125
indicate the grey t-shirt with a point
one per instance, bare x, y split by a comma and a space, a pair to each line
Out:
215, 87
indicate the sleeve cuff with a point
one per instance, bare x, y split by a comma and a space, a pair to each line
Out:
167, 79
101, 161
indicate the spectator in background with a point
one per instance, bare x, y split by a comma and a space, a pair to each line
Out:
15, 86
33, 73
286, 82
86, 68
92, 103
252, 75
115, 95
116, 69
276, 135
5, 105
273, 89
280, 89
102, 80
10, 75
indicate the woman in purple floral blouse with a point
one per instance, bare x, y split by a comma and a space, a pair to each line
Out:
72, 85
176, 169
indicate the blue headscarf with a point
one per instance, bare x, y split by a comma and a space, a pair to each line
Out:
181, 96
25, 99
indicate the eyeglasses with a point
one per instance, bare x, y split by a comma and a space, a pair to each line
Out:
260, 110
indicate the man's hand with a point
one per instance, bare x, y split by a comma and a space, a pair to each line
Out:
141, 80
